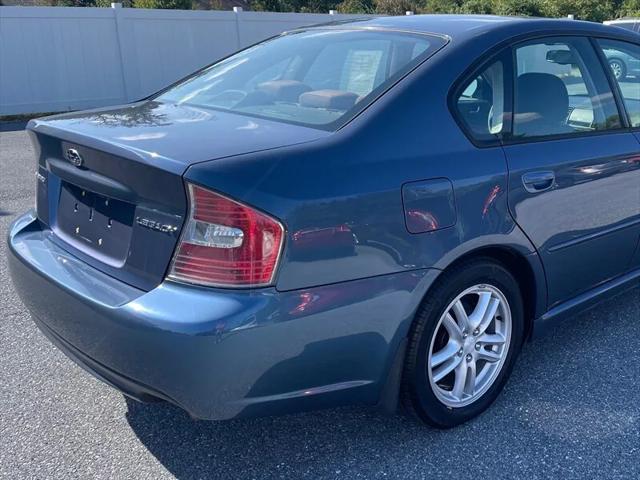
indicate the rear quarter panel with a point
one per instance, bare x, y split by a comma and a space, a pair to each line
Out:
352, 182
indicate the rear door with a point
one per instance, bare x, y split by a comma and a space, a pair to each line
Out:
573, 170
629, 91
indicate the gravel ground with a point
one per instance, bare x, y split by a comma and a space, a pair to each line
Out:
571, 410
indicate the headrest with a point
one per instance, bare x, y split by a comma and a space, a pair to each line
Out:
330, 99
283, 90
542, 94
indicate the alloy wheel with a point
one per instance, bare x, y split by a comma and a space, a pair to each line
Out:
617, 69
469, 345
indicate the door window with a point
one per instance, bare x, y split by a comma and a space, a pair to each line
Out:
624, 60
560, 88
482, 102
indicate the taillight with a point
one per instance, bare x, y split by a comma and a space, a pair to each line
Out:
225, 243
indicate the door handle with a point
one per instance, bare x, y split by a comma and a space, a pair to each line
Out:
536, 182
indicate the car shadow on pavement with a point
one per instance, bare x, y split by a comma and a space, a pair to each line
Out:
573, 392
12, 126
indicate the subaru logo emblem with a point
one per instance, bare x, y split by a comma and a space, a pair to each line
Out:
74, 157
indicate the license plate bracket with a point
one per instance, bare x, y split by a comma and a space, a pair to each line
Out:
95, 223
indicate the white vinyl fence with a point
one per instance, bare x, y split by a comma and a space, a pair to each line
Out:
63, 58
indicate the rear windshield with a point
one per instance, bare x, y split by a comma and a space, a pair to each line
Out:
318, 78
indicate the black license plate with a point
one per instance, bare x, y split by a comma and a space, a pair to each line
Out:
95, 223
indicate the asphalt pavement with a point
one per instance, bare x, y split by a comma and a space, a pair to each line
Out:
571, 409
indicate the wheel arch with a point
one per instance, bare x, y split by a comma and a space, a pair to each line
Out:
526, 268
528, 271
414, 394
616, 59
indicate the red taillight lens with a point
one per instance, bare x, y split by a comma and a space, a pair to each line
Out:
225, 243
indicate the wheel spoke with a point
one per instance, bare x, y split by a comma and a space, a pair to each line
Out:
460, 380
470, 381
489, 314
492, 339
461, 315
449, 351
445, 369
454, 331
476, 317
488, 355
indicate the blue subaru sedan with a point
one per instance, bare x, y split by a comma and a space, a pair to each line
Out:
378, 212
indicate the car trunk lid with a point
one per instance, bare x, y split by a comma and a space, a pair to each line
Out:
110, 184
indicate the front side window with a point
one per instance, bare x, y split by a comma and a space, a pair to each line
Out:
560, 88
316, 77
624, 60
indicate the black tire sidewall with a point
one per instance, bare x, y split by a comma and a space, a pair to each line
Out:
425, 402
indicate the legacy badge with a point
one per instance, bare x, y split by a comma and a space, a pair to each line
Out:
157, 226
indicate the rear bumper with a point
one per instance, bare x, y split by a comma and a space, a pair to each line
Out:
218, 354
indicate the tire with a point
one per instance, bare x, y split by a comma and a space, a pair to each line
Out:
619, 68
432, 401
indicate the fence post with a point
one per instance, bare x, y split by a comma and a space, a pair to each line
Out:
117, 7
237, 11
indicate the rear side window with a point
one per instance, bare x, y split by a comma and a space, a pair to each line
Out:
481, 104
624, 61
318, 77
560, 88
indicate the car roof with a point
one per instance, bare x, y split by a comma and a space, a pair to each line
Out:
464, 27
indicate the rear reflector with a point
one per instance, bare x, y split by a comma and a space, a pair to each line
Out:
225, 243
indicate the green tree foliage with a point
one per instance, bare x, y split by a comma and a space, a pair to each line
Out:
529, 8
164, 4
357, 6
478, 7
395, 7
440, 6
304, 6
630, 8
74, 3
267, 5
593, 10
